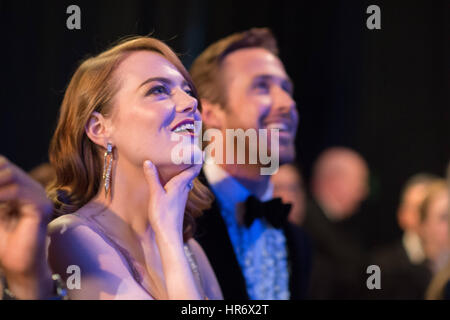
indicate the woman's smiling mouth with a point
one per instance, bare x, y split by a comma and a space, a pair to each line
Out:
185, 127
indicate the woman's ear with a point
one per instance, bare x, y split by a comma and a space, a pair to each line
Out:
97, 129
212, 115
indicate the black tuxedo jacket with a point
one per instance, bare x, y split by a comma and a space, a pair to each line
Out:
212, 234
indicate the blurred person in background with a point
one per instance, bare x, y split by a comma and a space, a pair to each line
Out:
440, 285
339, 186
288, 185
404, 272
43, 173
24, 214
340, 182
433, 226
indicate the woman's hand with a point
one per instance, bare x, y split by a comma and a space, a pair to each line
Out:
24, 214
166, 213
167, 204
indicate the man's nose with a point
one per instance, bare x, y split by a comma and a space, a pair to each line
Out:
283, 100
185, 102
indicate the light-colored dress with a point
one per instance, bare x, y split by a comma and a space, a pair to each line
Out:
132, 265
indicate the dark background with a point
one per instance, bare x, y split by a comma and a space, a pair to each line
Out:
384, 93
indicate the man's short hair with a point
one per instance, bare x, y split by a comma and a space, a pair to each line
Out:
205, 70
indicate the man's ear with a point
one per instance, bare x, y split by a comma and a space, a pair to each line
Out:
97, 129
212, 115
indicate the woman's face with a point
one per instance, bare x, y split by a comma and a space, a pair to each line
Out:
435, 227
154, 100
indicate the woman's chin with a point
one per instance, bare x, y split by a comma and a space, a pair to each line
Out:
185, 157
167, 172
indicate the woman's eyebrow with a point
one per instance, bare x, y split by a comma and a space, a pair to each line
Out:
185, 83
160, 79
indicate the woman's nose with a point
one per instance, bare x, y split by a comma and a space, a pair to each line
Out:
185, 102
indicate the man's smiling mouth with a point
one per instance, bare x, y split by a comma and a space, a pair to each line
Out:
278, 125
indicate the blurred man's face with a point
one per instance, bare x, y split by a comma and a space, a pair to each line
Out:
349, 187
289, 187
259, 96
408, 215
434, 229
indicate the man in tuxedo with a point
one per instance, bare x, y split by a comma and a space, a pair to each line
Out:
255, 252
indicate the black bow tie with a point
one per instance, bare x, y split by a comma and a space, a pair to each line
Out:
275, 211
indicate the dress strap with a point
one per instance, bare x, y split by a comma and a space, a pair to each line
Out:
122, 251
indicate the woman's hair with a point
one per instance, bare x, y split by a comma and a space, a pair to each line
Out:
76, 159
432, 190
437, 286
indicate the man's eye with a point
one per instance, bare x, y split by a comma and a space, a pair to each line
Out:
288, 88
262, 86
158, 90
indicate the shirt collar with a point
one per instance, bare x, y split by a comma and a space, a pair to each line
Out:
227, 189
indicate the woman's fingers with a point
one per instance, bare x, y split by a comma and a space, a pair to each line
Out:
6, 175
7, 171
9, 192
3, 161
184, 178
152, 177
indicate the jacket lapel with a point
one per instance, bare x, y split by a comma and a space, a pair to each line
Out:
299, 260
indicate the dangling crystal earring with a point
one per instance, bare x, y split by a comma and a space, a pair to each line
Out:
108, 158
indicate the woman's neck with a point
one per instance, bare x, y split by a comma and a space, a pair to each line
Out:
128, 197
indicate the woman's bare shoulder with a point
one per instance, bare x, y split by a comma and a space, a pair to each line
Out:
104, 275
63, 223
73, 241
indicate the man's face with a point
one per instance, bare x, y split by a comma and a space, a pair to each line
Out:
350, 186
259, 96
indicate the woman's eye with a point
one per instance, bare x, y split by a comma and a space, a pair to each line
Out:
189, 92
158, 90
